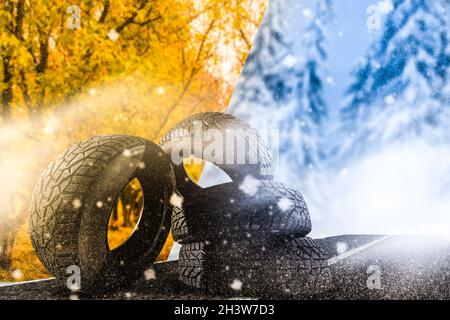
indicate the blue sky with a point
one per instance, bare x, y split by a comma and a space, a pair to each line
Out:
349, 40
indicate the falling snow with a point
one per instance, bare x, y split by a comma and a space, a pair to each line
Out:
285, 204
250, 185
307, 13
290, 61
176, 200
141, 165
17, 274
76, 203
385, 6
150, 274
127, 153
160, 90
113, 35
341, 247
236, 285
390, 99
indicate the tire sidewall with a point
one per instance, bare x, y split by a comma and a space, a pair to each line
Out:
102, 267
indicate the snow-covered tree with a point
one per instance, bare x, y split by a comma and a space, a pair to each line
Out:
281, 86
401, 89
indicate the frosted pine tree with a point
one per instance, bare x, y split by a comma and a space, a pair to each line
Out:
281, 86
401, 90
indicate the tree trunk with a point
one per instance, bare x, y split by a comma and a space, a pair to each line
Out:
7, 236
7, 90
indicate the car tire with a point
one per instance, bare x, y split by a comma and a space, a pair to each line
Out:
274, 267
184, 141
73, 200
223, 210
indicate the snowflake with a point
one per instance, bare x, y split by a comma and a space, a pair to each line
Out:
150, 274
285, 204
76, 203
176, 200
127, 153
113, 35
92, 92
51, 125
236, 285
99, 204
390, 99
307, 13
98, 13
141, 165
250, 185
385, 7
160, 90
290, 61
341, 247
17, 274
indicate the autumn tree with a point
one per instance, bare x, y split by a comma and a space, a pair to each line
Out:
72, 70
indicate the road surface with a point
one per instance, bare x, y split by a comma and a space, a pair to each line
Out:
363, 267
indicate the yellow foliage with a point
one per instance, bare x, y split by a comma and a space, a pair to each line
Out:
131, 67
25, 264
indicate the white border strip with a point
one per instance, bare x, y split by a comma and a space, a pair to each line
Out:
352, 252
10, 284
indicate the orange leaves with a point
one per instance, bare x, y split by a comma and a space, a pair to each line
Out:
131, 67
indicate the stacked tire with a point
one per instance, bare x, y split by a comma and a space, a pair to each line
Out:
246, 236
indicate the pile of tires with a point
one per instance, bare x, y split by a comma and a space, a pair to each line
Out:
246, 236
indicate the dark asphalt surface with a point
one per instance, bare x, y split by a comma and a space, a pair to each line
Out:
371, 267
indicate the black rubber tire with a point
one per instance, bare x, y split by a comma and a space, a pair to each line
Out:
68, 224
274, 267
225, 210
182, 142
